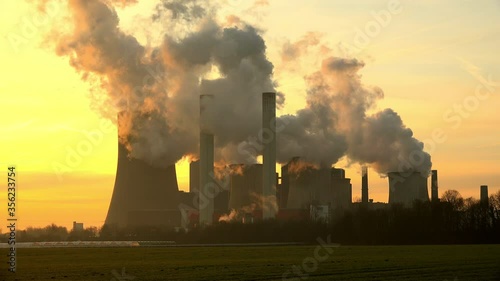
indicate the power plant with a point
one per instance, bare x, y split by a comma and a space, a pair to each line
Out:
148, 195
222, 73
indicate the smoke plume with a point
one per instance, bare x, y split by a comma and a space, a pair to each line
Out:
335, 123
156, 90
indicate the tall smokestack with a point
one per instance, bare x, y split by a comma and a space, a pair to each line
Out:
434, 186
484, 194
364, 186
207, 184
269, 155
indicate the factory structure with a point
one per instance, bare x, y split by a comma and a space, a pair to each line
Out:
146, 195
404, 188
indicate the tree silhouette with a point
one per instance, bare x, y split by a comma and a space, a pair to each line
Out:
454, 198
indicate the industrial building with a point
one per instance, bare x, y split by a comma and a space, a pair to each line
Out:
246, 186
341, 189
405, 188
77, 226
147, 195
307, 185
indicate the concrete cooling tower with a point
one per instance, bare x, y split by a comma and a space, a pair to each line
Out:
405, 188
144, 195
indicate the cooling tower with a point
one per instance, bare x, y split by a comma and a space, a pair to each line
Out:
364, 186
484, 194
246, 186
144, 195
434, 186
407, 187
269, 154
207, 183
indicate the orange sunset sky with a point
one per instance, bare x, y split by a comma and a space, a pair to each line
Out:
437, 62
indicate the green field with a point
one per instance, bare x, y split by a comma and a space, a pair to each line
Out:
468, 262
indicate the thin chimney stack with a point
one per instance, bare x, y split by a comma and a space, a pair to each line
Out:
434, 186
207, 184
484, 194
269, 155
364, 186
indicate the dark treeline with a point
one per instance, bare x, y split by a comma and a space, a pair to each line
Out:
53, 233
454, 220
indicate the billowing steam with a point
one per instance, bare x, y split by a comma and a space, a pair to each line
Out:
157, 89
334, 123
259, 202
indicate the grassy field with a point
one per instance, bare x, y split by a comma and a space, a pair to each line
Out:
468, 262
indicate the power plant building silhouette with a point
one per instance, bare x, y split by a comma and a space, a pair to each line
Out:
246, 185
307, 185
405, 188
147, 195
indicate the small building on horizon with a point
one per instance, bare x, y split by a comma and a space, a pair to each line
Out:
77, 226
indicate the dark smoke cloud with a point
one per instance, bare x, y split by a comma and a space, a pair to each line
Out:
159, 87
343, 65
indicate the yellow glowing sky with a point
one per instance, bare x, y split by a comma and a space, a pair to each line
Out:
428, 58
